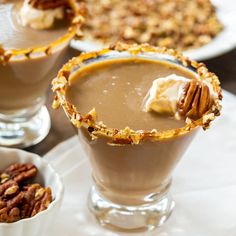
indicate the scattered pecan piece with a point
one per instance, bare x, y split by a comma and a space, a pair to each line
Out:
195, 101
48, 4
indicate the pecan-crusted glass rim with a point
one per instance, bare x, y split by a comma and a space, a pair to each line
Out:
73, 30
127, 135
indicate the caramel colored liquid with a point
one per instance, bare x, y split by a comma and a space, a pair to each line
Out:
128, 174
117, 88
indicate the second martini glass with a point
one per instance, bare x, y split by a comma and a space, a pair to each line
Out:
29, 58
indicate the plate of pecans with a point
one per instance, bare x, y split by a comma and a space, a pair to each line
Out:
202, 29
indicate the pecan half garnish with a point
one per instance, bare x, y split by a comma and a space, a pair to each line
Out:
195, 101
48, 4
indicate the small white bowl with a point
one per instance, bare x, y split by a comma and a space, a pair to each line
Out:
46, 176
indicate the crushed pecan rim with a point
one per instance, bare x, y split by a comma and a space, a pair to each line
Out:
127, 135
74, 30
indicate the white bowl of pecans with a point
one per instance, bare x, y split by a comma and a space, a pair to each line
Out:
30, 193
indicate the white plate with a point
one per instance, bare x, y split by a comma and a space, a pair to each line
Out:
224, 42
204, 186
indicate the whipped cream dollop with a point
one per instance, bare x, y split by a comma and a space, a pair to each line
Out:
39, 19
164, 94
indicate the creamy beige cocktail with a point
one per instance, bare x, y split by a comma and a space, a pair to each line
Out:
133, 142
34, 43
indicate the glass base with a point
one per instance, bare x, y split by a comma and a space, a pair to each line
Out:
25, 134
130, 218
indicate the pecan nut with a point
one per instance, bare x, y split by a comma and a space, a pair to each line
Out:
10, 199
9, 209
43, 202
13, 190
5, 187
36, 199
21, 172
9, 215
195, 101
4, 177
14, 215
29, 192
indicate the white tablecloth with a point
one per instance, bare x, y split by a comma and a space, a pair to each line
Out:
204, 185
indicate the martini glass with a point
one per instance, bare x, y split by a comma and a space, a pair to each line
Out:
132, 169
